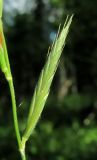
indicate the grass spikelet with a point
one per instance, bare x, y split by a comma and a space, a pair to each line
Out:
43, 87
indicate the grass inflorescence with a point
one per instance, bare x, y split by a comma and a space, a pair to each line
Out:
43, 86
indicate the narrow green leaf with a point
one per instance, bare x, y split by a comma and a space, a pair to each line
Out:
3, 65
1, 8
2, 60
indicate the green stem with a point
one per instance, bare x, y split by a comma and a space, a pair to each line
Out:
22, 152
12, 92
23, 156
22, 148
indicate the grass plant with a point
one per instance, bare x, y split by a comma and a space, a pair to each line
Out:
43, 86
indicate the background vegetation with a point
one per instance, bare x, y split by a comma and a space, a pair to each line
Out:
67, 129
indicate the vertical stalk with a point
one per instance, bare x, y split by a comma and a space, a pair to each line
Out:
13, 99
12, 92
9, 78
5, 66
23, 156
22, 148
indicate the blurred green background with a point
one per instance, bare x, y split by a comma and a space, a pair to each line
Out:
67, 129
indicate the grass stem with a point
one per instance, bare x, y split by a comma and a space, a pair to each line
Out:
12, 92
23, 156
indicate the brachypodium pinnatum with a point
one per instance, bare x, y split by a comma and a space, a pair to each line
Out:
43, 86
